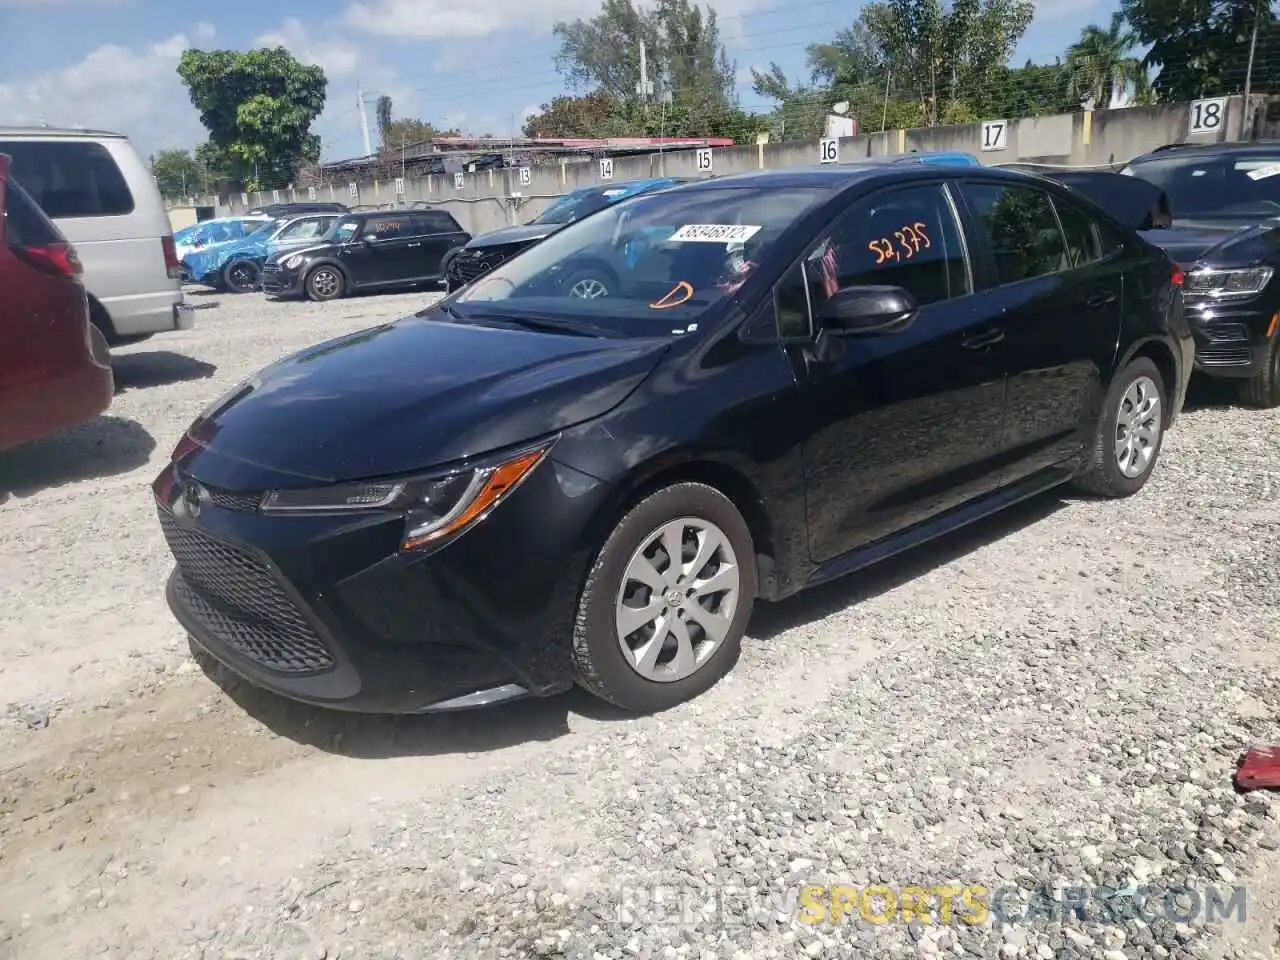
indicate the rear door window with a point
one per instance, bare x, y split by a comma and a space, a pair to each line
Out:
1021, 228
436, 221
24, 224
70, 178
389, 228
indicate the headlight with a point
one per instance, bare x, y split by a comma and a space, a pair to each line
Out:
293, 262
1236, 283
435, 507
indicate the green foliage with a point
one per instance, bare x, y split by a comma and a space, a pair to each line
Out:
600, 115
1099, 64
258, 108
178, 174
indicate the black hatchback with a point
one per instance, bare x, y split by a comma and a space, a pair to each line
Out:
367, 251
793, 374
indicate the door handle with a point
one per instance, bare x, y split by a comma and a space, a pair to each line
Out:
977, 341
1100, 299
407, 245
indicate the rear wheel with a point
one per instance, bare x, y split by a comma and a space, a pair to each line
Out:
662, 614
325, 283
1263, 390
1130, 433
241, 276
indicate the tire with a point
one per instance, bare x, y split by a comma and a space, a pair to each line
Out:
600, 662
325, 283
444, 271
1263, 391
241, 276
589, 280
1104, 476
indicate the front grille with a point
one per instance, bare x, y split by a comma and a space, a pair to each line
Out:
238, 600
1227, 331
1223, 355
240, 502
470, 265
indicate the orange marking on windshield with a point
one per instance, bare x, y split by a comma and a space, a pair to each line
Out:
669, 300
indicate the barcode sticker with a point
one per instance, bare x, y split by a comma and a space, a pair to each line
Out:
715, 233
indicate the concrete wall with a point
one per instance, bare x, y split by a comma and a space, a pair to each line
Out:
491, 199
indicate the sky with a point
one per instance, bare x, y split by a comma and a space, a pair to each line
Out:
478, 65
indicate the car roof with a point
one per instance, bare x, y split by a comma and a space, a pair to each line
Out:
1238, 147
62, 133
837, 177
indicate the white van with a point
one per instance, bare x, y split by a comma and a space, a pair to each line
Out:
100, 194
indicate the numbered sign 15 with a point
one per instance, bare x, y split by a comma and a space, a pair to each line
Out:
995, 134
353, 189
606, 168
829, 151
459, 180
526, 176
1207, 115
400, 186
704, 160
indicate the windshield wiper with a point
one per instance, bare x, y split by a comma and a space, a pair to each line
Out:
550, 325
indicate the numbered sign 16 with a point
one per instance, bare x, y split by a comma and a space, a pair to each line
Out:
1207, 115
353, 190
526, 176
400, 186
704, 160
829, 151
606, 168
311, 193
995, 134
459, 180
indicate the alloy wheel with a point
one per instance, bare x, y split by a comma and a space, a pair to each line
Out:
324, 282
677, 599
588, 288
1138, 425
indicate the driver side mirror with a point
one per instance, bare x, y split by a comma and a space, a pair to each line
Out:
868, 311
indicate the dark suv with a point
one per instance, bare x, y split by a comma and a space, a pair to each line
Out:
367, 251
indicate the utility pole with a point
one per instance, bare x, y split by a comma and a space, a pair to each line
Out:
1246, 114
364, 122
644, 89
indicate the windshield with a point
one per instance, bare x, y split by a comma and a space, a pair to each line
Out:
579, 204
1246, 188
252, 229
649, 266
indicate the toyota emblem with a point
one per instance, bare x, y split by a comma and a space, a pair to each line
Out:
193, 499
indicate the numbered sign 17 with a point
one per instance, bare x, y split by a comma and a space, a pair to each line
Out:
606, 168
704, 160
526, 176
995, 134
829, 151
1207, 115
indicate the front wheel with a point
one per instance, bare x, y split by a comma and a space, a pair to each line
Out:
1263, 390
1130, 433
241, 276
325, 283
589, 284
666, 603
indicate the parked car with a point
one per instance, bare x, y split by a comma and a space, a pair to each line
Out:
218, 230
367, 251
805, 371
279, 210
55, 369
236, 265
1225, 204
488, 250
103, 199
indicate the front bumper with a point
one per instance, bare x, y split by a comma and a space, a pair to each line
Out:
472, 263
1232, 341
327, 610
279, 282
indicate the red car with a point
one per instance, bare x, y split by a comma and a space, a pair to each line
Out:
55, 369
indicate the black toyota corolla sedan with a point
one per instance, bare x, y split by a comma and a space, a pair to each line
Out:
793, 374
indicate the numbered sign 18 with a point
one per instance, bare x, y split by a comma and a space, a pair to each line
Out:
995, 134
606, 168
526, 176
704, 160
353, 190
311, 193
400, 186
1206, 115
829, 151
459, 180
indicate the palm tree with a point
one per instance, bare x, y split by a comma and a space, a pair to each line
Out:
1099, 64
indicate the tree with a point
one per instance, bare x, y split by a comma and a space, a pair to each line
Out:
258, 108
177, 173
384, 117
600, 115
1200, 47
402, 133
1099, 64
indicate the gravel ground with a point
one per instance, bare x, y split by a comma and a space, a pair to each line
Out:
1053, 698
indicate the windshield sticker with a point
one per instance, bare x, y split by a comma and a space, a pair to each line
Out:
714, 233
682, 292
614, 193
1261, 173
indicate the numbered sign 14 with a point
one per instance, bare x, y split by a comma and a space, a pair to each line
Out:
995, 134
1207, 115
829, 151
606, 168
704, 160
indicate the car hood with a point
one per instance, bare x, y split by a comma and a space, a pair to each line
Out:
524, 233
1224, 247
408, 396
288, 246
283, 253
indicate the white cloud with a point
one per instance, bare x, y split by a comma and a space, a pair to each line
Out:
135, 91
338, 59
531, 110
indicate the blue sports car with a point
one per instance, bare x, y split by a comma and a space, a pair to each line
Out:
236, 265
